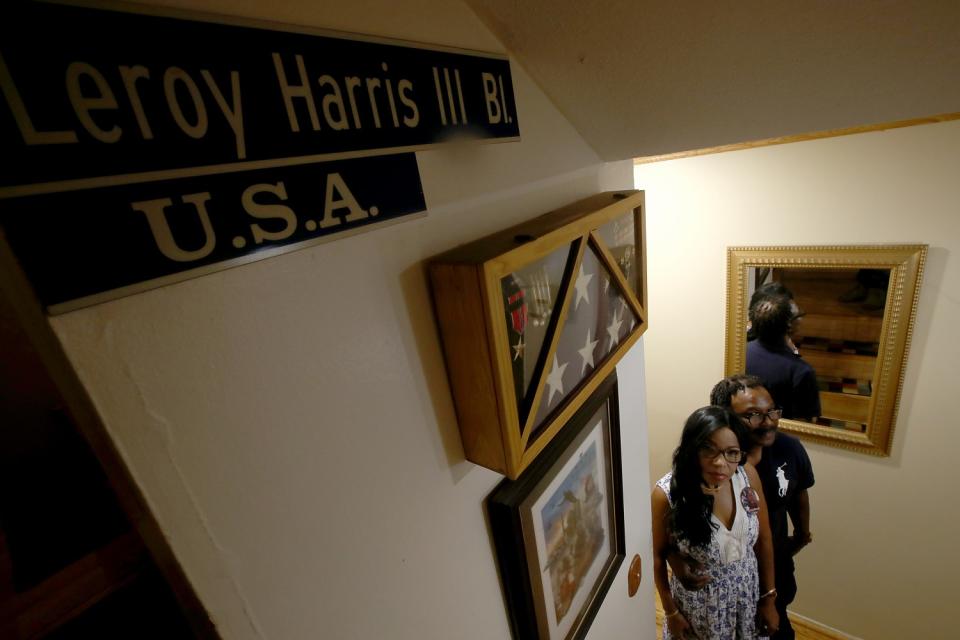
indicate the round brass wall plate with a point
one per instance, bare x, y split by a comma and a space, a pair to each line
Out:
634, 576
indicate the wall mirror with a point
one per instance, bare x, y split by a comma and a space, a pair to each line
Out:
855, 308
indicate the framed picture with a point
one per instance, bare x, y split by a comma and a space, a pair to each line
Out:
534, 317
558, 528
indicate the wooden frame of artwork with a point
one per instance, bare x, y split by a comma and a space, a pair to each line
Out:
558, 529
863, 345
534, 317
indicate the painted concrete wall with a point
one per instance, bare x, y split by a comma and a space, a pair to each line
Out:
290, 423
883, 560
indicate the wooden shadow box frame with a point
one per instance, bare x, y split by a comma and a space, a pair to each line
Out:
485, 309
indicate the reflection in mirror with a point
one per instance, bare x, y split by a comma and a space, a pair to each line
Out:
836, 330
850, 317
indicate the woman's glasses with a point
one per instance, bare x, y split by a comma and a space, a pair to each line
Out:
733, 455
755, 418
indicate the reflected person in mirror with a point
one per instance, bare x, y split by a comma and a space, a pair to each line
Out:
708, 510
764, 292
773, 357
786, 473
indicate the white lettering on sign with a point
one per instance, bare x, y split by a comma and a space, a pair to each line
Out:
155, 210
24, 123
490, 97
90, 94
233, 112
445, 93
496, 100
302, 91
352, 83
345, 201
380, 99
269, 211
173, 77
110, 104
336, 121
339, 206
393, 103
405, 86
130, 76
83, 105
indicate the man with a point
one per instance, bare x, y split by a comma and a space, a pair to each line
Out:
765, 291
773, 357
786, 474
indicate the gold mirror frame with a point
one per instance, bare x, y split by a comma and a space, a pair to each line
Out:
906, 268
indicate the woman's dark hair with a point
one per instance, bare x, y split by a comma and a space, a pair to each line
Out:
690, 508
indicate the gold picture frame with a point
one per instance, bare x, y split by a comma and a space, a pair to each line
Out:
857, 328
534, 317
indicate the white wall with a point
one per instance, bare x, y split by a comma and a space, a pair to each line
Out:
884, 563
290, 423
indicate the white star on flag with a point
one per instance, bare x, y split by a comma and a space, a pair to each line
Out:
614, 330
583, 280
587, 353
555, 379
518, 348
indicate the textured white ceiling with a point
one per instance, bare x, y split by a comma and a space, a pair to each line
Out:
646, 77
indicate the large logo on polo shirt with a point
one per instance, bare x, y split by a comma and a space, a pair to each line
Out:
782, 480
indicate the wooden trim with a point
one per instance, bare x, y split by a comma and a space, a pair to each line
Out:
14, 285
640, 228
73, 590
808, 629
508, 250
799, 137
457, 295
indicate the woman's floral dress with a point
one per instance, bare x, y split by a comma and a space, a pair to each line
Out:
726, 608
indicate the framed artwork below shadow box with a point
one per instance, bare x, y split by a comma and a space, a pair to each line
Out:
558, 529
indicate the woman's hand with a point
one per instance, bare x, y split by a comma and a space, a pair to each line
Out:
768, 620
688, 571
681, 629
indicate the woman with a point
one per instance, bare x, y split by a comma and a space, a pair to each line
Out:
708, 511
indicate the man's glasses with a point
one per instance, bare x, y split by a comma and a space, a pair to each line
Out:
733, 455
755, 418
